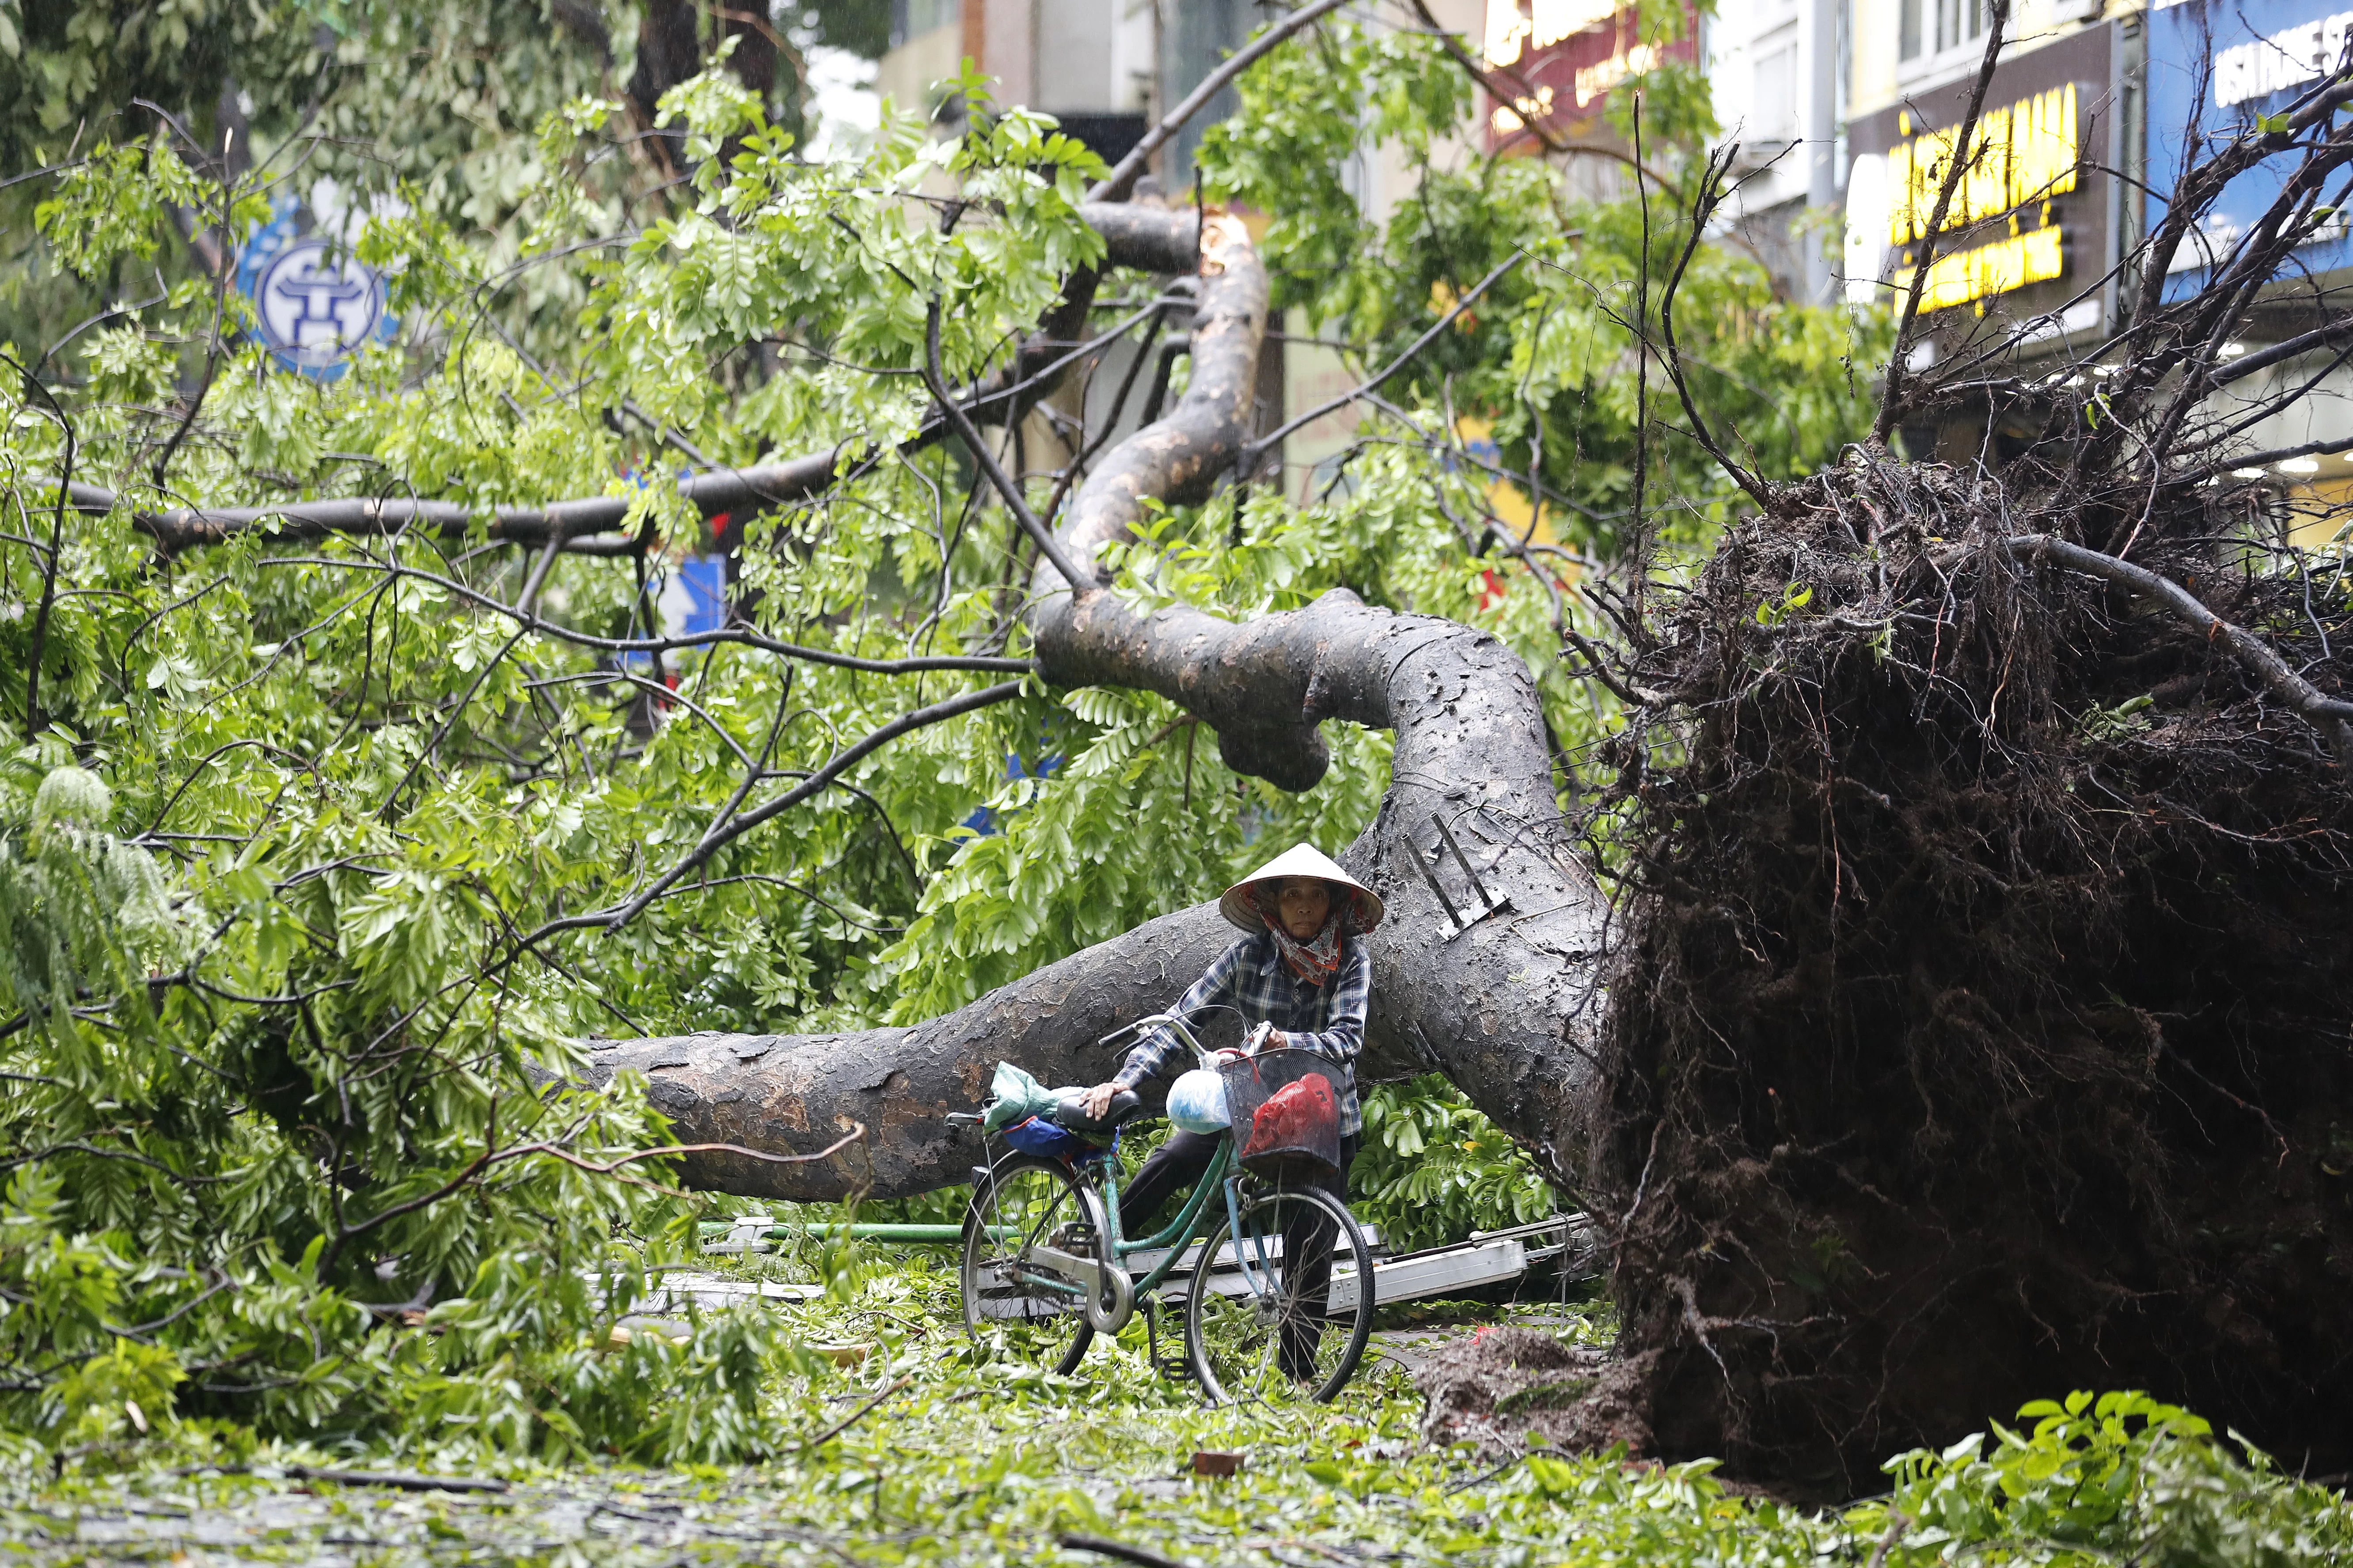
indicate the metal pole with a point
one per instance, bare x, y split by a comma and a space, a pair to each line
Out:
1821, 138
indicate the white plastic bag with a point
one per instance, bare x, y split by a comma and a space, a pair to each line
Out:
1197, 1102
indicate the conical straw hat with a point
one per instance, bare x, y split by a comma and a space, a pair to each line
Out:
1299, 860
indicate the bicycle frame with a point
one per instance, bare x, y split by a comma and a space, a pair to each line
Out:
1222, 1177
1066, 1274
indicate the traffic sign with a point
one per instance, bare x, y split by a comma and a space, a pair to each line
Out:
318, 308
319, 305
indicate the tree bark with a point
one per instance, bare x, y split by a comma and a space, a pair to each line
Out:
1509, 1008
669, 51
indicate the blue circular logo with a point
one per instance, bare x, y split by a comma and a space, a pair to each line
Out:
316, 311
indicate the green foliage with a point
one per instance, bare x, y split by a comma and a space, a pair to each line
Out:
964, 1458
428, 105
274, 1046
59, 62
2121, 722
1432, 1169
320, 857
2121, 1477
1773, 613
1546, 355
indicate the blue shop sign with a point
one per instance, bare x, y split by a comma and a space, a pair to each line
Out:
318, 305
2264, 53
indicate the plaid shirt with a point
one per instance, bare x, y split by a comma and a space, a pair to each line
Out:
1251, 977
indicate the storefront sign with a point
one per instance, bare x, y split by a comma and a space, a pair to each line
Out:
1566, 57
2023, 153
2287, 58
1984, 270
2264, 53
2028, 220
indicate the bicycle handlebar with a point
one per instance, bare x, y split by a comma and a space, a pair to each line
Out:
1202, 1056
1176, 1024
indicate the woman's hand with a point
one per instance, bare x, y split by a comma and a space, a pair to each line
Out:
1097, 1103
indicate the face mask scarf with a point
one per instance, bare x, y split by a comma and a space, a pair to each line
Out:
1318, 960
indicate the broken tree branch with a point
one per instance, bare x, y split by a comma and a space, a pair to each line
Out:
1148, 239
2330, 716
732, 825
1252, 453
936, 379
1711, 197
1891, 397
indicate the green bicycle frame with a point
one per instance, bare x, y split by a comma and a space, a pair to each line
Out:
1179, 1232
1175, 1236
1219, 1177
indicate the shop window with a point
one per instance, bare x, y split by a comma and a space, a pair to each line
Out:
1958, 22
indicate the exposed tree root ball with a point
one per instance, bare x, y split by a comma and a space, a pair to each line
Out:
1982, 1028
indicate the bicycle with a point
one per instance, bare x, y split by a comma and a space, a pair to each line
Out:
1043, 1257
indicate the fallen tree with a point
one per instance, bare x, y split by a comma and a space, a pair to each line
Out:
1502, 1007
374, 730
1887, 1007
1972, 1021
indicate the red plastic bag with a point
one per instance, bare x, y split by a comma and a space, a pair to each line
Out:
1298, 1117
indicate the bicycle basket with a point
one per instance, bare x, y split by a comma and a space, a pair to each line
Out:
1285, 1107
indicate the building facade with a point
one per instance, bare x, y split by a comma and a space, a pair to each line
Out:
2030, 242
1777, 73
2091, 117
2215, 65
1092, 64
1846, 112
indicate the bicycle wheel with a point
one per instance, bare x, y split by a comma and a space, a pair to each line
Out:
1024, 1205
1258, 1326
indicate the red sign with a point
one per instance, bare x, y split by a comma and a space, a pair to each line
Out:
1562, 58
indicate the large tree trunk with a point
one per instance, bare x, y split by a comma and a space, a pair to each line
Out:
1508, 1008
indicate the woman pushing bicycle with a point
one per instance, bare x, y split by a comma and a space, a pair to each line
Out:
1305, 968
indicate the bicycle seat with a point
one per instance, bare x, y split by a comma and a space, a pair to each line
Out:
1071, 1111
